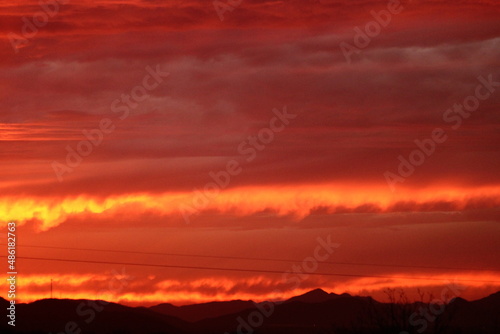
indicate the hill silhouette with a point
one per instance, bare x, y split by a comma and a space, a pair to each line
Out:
197, 312
314, 312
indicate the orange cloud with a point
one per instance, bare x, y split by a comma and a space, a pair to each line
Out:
298, 201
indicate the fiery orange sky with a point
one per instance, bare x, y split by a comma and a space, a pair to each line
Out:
173, 151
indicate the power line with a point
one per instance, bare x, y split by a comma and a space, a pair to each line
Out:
263, 259
247, 270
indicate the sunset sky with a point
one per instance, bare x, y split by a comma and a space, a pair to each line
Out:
215, 137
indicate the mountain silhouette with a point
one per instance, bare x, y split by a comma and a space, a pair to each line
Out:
57, 315
313, 312
316, 296
197, 312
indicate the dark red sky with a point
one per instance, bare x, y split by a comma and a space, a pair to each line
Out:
323, 174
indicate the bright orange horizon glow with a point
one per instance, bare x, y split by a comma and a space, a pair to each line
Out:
66, 285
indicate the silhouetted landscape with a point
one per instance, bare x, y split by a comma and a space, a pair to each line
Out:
314, 312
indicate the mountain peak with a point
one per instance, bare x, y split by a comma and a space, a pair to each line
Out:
313, 296
317, 292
